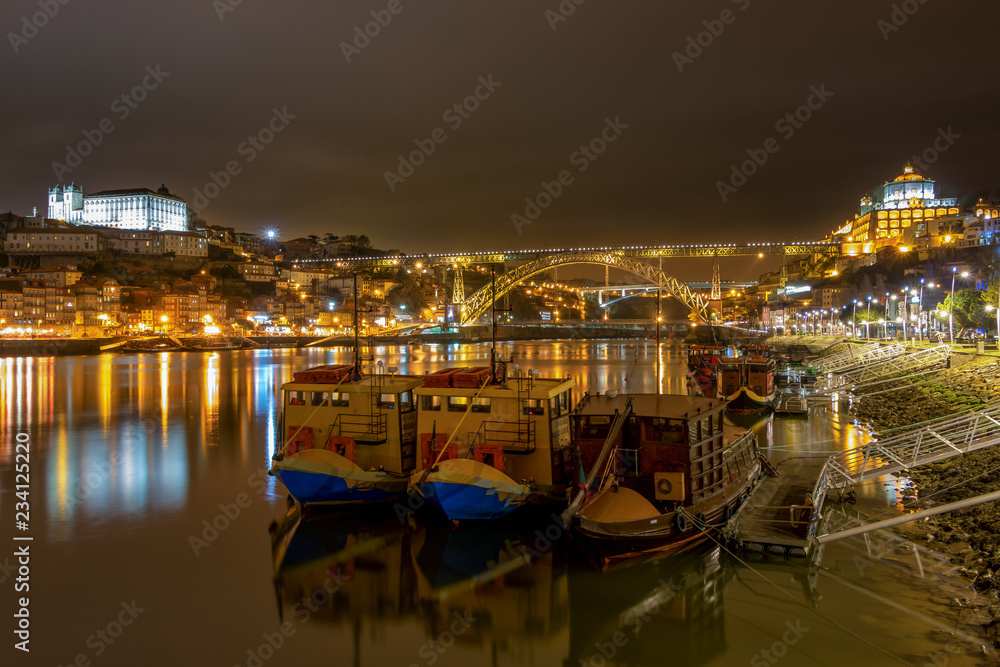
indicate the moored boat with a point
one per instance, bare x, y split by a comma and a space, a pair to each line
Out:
664, 469
703, 368
349, 440
747, 384
489, 444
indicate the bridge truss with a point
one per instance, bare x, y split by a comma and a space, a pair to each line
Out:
637, 252
479, 303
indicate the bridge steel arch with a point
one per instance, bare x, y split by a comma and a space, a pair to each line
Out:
479, 303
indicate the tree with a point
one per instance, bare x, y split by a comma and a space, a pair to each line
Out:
969, 309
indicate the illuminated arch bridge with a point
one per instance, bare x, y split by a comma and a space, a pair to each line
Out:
480, 303
633, 259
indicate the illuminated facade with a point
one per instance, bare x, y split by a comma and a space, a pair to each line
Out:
139, 209
898, 213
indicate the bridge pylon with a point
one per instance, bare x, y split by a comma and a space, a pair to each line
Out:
716, 294
458, 289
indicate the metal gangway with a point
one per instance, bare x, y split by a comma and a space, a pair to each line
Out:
910, 362
854, 355
927, 444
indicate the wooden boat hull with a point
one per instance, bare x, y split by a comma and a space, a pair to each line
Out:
318, 477
747, 401
465, 490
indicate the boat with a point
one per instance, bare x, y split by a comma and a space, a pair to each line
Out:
152, 344
490, 444
703, 368
664, 469
747, 384
349, 440
212, 343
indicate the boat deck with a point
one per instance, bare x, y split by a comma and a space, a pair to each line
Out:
779, 520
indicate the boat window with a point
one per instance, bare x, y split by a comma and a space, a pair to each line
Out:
319, 397
595, 426
457, 403
534, 406
563, 403
296, 398
387, 401
406, 401
669, 431
481, 405
339, 399
718, 422
554, 406
693, 431
430, 402
706, 427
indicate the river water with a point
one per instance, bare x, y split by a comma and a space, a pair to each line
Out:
150, 510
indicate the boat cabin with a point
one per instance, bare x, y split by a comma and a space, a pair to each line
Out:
521, 427
754, 373
670, 450
372, 421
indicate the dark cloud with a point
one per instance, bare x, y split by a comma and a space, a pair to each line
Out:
655, 184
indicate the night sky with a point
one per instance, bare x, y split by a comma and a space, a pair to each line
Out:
554, 83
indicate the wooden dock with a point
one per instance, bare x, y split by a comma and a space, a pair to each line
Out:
781, 516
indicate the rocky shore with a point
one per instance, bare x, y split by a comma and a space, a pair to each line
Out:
970, 537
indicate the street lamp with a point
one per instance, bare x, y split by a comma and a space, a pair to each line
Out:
868, 329
951, 304
854, 321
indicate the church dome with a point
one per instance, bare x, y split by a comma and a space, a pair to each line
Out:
909, 175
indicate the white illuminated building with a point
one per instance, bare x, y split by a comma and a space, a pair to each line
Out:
138, 209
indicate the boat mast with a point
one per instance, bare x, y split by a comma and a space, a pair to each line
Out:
357, 349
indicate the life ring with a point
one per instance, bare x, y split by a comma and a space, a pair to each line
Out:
701, 520
680, 522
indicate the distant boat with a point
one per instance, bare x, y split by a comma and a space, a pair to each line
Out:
213, 343
747, 384
155, 344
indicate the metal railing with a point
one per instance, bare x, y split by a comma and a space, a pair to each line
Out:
873, 353
365, 429
897, 365
515, 437
935, 442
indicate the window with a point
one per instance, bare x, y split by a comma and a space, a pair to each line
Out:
430, 403
534, 406
596, 426
406, 401
296, 398
457, 403
481, 405
339, 399
319, 397
387, 401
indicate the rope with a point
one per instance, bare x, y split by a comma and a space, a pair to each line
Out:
798, 602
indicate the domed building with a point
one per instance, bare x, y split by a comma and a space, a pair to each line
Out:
902, 212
